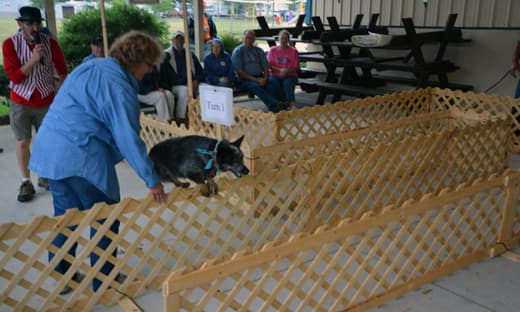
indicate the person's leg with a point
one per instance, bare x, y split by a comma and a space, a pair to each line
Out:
89, 195
156, 99
170, 103
274, 87
181, 92
21, 124
63, 198
22, 156
289, 84
38, 115
269, 101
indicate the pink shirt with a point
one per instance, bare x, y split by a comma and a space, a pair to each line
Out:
283, 58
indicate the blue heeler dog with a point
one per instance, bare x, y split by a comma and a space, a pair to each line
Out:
198, 159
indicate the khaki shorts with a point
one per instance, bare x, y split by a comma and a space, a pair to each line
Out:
22, 118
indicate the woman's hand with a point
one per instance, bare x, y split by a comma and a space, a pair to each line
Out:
158, 194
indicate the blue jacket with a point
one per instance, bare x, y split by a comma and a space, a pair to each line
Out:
92, 125
150, 82
216, 67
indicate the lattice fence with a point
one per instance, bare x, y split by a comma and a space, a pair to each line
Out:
266, 129
331, 174
247, 214
356, 264
481, 104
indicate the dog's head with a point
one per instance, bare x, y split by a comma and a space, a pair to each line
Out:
231, 158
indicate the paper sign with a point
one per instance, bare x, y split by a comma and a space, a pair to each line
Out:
216, 104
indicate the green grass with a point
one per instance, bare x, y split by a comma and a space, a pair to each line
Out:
4, 109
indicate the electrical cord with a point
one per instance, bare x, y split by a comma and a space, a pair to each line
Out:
508, 72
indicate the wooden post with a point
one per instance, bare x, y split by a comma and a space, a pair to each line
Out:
505, 232
103, 25
172, 302
50, 17
187, 49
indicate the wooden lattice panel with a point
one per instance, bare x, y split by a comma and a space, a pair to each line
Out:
154, 130
188, 230
354, 265
266, 129
154, 240
283, 154
443, 99
350, 184
351, 115
411, 159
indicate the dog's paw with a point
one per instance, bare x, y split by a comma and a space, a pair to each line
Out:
212, 186
204, 190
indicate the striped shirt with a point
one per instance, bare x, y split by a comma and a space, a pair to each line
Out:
36, 89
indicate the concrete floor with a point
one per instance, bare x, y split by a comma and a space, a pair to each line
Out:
492, 285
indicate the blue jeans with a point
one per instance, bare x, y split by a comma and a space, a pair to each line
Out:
270, 94
77, 192
286, 84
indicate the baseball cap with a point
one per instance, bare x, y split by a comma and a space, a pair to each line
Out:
97, 39
177, 33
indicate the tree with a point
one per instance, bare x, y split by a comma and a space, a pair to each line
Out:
79, 30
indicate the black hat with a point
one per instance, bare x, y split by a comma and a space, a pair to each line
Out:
98, 39
28, 13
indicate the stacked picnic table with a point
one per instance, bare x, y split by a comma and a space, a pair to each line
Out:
351, 69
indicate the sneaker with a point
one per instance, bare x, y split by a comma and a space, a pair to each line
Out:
26, 192
77, 277
43, 183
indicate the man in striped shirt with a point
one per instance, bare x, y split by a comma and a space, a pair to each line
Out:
31, 59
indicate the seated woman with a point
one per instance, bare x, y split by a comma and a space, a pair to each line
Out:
217, 65
285, 65
151, 94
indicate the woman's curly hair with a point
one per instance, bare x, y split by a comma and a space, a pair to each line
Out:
134, 48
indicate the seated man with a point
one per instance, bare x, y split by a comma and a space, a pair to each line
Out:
252, 70
151, 94
174, 75
218, 67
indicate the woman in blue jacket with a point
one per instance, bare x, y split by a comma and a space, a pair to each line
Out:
217, 65
92, 125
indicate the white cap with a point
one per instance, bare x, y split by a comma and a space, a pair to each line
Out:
177, 33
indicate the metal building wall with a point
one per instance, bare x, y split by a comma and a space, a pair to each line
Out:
472, 13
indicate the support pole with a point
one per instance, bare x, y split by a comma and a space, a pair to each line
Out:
50, 17
103, 25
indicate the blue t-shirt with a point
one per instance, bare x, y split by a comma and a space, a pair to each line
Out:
92, 125
253, 61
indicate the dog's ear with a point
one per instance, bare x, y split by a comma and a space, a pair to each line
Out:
238, 142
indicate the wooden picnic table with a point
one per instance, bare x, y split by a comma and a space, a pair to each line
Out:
357, 67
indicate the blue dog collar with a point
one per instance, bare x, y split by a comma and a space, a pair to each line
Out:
212, 164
